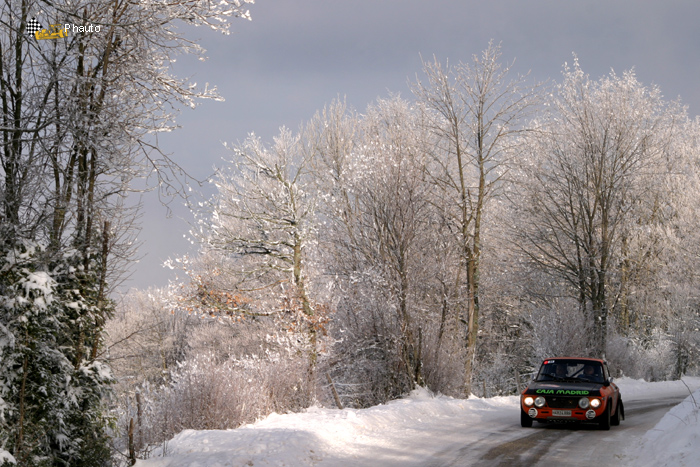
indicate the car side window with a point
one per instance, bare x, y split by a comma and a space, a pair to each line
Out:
606, 373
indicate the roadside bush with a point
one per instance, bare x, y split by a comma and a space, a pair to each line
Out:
205, 394
230, 373
651, 359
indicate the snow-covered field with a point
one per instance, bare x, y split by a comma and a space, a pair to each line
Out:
409, 432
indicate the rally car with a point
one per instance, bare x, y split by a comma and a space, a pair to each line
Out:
572, 389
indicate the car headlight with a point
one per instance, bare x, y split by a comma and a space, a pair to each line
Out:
528, 401
584, 403
539, 401
595, 403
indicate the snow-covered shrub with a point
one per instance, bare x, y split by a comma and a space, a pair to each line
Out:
208, 394
496, 375
228, 372
367, 360
444, 362
651, 359
146, 338
362, 368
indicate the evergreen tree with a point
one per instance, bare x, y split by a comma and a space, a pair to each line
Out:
51, 383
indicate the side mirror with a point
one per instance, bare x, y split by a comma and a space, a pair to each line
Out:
607, 382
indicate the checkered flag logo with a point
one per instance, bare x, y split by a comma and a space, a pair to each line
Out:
33, 26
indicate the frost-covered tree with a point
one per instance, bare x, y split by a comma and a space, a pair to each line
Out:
77, 114
265, 211
260, 229
475, 111
387, 235
388, 264
596, 200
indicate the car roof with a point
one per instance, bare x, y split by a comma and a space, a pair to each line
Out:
575, 358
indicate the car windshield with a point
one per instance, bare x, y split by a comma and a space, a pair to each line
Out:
571, 370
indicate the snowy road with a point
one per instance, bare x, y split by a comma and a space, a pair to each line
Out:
561, 444
423, 430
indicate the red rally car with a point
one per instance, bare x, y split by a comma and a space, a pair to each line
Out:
572, 389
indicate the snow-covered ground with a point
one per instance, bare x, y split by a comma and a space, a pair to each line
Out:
675, 440
409, 432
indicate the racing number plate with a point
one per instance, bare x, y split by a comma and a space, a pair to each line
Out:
561, 413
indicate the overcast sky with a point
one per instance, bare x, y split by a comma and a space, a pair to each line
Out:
294, 57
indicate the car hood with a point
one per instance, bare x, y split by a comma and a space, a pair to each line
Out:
559, 388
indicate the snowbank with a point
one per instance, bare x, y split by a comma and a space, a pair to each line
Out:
674, 441
405, 432
392, 434
638, 389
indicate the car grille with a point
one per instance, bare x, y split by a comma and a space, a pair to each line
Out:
562, 402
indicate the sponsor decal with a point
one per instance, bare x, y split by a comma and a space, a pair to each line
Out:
562, 392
